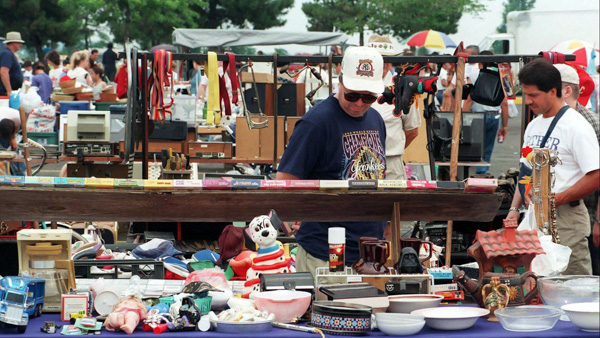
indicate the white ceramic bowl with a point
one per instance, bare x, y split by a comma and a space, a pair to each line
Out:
409, 303
585, 315
451, 317
284, 304
399, 324
528, 318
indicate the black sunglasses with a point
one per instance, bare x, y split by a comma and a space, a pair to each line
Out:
366, 98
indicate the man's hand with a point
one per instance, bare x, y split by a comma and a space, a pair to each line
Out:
513, 214
596, 234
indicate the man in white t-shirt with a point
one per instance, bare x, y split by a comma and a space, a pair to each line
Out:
577, 174
400, 131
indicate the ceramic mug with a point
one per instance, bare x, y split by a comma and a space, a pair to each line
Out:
416, 243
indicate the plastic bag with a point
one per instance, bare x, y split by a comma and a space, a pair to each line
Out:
31, 99
557, 256
42, 119
512, 109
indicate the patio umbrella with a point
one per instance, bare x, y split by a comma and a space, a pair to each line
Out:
581, 49
430, 39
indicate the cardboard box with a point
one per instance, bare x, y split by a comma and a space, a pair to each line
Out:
304, 185
391, 184
72, 90
258, 77
333, 184
17, 181
62, 97
69, 182
108, 97
420, 185
216, 185
245, 184
36, 181
158, 184
187, 184
202, 149
274, 184
99, 183
127, 183
73, 303
88, 96
488, 185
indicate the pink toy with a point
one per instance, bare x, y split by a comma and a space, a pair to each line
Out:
270, 259
126, 315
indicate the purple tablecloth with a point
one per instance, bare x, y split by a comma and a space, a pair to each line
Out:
482, 328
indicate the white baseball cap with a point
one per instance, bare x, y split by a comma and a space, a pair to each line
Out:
568, 74
362, 69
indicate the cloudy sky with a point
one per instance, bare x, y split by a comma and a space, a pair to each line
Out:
471, 29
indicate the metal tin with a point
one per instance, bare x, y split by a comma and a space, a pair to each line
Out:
341, 318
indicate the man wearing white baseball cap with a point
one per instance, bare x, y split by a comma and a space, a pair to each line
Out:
11, 77
341, 138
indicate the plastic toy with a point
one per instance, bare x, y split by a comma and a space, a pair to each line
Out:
76, 315
50, 327
126, 315
20, 298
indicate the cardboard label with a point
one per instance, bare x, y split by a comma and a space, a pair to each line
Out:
123, 183
34, 181
363, 184
187, 184
304, 185
216, 184
158, 184
73, 304
333, 185
488, 185
69, 182
391, 184
428, 185
274, 184
14, 180
245, 184
100, 183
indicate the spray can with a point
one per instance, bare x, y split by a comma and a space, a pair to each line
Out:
337, 249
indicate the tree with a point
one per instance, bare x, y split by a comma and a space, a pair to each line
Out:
514, 5
40, 22
348, 16
399, 18
256, 14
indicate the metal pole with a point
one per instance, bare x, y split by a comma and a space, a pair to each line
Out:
275, 108
144, 115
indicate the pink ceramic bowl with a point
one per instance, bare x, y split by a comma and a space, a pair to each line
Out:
284, 304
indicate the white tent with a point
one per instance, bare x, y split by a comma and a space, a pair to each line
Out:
195, 38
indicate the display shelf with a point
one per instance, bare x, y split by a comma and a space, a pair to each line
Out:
74, 204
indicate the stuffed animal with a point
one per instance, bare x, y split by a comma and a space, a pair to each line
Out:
270, 258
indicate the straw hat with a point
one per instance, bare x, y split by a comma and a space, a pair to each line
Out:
382, 44
13, 37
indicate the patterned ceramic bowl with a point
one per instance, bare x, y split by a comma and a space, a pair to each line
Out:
341, 318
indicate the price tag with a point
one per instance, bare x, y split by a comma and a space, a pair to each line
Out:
353, 279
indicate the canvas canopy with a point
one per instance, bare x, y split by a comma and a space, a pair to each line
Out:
196, 38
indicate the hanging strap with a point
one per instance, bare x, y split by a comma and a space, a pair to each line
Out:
162, 75
560, 113
213, 109
233, 77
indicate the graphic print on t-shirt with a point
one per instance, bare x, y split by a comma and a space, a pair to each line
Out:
536, 141
364, 156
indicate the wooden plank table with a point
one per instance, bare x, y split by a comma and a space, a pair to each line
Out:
71, 204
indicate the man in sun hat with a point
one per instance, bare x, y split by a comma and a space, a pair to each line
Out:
340, 138
11, 77
401, 131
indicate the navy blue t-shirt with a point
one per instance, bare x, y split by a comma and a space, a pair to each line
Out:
8, 59
328, 144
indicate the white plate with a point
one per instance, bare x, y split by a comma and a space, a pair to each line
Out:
584, 315
451, 318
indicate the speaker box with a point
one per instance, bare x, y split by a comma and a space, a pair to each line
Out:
290, 99
169, 130
472, 144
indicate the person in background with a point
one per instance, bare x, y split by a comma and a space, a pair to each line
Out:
341, 138
401, 130
109, 59
570, 93
8, 133
195, 87
11, 77
492, 119
79, 63
577, 174
93, 58
42, 81
121, 80
28, 70
97, 84
444, 80
312, 83
56, 68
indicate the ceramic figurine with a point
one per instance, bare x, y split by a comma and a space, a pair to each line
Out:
126, 315
270, 258
495, 296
